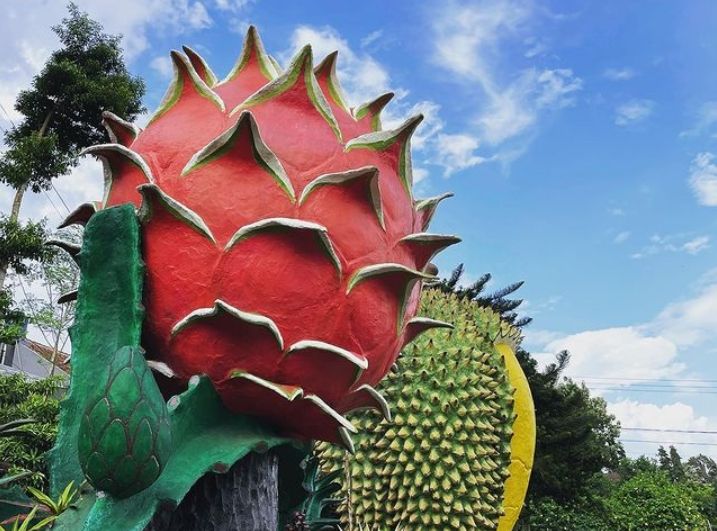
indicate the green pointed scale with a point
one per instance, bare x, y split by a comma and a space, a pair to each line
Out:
125, 435
443, 461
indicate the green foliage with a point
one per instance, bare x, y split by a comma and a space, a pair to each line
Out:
549, 515
28, 523
61, 114
45, 508
313, 514
496, 301
577, 437
701, 469
86, 76
32, 161
21, 242
650, 500
21, 398
671, 463
628, 468
54, 277
12, 321
61, 504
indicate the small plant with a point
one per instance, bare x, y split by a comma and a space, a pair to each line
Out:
28, 425
26, 523
63, 501
319, 490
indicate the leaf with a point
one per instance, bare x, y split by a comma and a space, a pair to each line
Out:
207, 438
6, 480
13, 502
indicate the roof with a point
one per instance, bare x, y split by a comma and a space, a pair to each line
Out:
63, 358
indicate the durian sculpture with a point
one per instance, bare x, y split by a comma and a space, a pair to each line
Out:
458, 451
259, 245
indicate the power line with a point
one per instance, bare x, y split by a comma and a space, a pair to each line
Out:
652, 386
643, 379
643, 390
52, 203
668, 442
7, 114
671, 430
61, 199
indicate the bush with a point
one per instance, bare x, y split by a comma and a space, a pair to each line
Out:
547, 514
649, 500
22, 398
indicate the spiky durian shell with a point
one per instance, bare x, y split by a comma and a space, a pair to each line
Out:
443, 461
283, 245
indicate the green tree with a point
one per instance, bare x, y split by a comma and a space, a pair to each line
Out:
701, 469
18, 243
21, 398
629, 467
671, 463
576, 437
650, 500
476, 292
55, 277
60, 116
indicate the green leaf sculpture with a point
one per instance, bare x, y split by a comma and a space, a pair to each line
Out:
110, 379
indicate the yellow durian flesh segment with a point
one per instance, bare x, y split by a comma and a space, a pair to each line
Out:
522, 444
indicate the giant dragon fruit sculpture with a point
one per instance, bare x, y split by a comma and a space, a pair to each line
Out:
282, 256
283, 246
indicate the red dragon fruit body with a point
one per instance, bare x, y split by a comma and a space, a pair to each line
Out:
284, 250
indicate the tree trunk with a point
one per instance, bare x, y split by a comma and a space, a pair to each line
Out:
246, 498
20, 193
14, 215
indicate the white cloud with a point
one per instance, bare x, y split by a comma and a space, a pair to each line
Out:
706, 119
674, 416
27, 40
536, 47
419, 174
432, 123
371, 38
627, 351
232, 5
455, 152
363, 77
650, 350
616, 211
696, 245
703, 178
466, 40
467, 34
83, 183
622, 236
633, 111
673, 243
556, 88
162, 64
619, 74
690, 322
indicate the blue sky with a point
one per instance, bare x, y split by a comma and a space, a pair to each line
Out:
580, 139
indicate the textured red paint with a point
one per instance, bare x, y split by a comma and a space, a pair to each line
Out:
283, 274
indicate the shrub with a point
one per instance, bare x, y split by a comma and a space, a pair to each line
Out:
22, 398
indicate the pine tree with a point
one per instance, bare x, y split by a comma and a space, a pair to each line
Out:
476, 292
